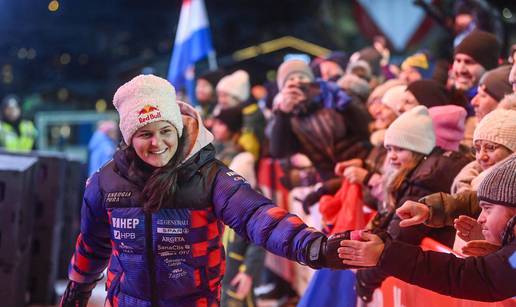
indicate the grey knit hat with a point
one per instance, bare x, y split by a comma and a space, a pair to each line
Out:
499, 186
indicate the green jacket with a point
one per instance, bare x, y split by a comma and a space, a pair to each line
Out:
10, 140
444, 207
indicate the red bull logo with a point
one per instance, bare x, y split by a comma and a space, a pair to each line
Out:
147, 113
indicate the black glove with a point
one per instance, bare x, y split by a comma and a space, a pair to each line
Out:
323, 252
311, 199
77, 294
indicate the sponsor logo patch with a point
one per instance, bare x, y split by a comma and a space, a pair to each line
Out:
148, 112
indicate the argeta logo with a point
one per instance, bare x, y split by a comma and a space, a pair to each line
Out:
117, 234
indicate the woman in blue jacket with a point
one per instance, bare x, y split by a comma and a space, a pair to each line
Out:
154, 215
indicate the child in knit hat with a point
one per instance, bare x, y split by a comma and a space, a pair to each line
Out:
486, 278
154, 215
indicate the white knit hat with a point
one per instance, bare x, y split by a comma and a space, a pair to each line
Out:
392, 98
499, 126
413, 130
143, 100
236, 84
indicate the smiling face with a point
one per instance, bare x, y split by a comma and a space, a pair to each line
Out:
488, 153
466, 72
398, 157
493, 220
156, 143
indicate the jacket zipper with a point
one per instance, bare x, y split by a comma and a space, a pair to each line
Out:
150, 259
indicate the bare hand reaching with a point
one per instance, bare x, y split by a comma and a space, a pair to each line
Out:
412, 213
479, 248
364, 253
468, 228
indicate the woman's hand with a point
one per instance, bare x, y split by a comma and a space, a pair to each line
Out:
243, 284
412, 213
364, 253
341, 166
479, 248
468, 228
355, 174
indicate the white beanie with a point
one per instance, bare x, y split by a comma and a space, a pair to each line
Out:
236, 84
143, 100
392, 97
413, 130
498, 126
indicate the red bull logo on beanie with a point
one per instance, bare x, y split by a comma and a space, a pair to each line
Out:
147, 113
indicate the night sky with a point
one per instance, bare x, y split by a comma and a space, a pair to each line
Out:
89, 48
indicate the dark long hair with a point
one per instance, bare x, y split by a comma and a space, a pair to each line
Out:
159, 184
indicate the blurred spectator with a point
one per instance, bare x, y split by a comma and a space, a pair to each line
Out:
361, 69
235, 90
448, 122
332, 67
478, 52
424, 92
317, 119
16, 133
416, 67
102, 145
493, 86
205, 92
356, 86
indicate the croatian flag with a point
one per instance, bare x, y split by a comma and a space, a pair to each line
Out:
193, 42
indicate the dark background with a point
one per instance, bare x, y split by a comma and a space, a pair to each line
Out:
70, 58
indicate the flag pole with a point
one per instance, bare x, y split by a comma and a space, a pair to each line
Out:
212, 60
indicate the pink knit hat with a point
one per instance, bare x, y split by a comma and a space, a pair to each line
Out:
448, 121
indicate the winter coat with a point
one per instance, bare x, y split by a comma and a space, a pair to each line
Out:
175, 257
444, 207
101, 149
328, 128
488, 278
464, 179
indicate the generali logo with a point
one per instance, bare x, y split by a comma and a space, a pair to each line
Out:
147, 113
